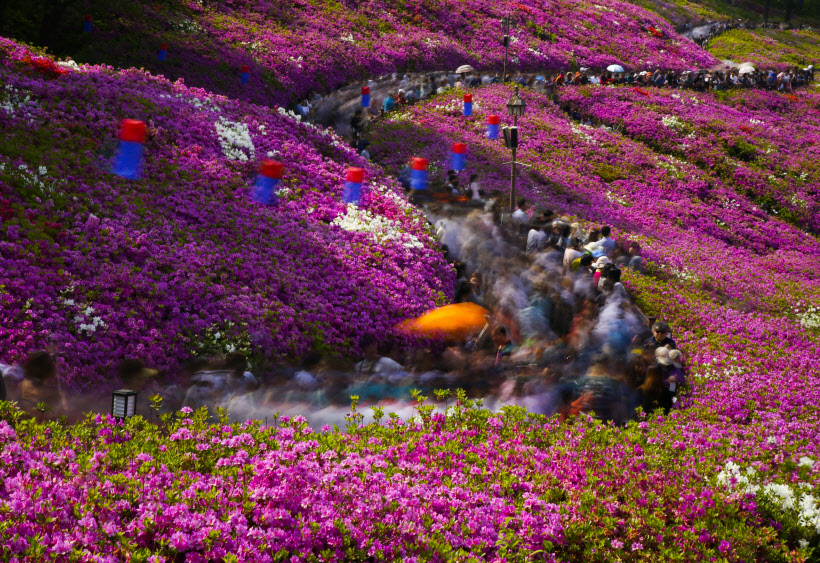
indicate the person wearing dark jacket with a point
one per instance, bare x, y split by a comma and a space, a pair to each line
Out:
660, 337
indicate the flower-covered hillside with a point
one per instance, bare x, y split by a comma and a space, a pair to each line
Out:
102, 267
739, 286
293, 47
768, 48
761, 144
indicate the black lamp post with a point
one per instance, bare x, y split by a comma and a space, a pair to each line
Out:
515, 107
123, 404
508, 22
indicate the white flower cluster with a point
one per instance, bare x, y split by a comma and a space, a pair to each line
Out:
730, 204
188, 27
615, 198
290, 114
348, 38
672, 122
37, 181
87, 327
756, 122
198, 103
810, 318
12, 99
235, 139
786, 497
69, 64
579, 131
359, 220
705, 371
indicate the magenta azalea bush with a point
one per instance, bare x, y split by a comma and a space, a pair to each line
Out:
105, 268
737, 284
463, 485
296, 47
761, 144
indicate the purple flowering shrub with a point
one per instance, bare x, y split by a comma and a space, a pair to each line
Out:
293, 47
738, 285
462, 485
762, 144
109, 268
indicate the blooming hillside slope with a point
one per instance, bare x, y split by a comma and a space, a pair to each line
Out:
738, 285
293, 47
110, 267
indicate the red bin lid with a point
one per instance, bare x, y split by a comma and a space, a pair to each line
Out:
163, 46
88, 17
365, 90
494, 119
468, 98
272, 169
246, 68
459, 148
420, 163
133, 130
355, 175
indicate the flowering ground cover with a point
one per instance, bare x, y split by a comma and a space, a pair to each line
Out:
465, 486
737, 284
762, 144
768, 48
295, 47
104, 267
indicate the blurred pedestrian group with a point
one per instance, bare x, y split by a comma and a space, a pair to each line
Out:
562, 336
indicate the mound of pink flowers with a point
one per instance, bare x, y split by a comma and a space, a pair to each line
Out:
293, 48
181, 262
736, 282
463, 485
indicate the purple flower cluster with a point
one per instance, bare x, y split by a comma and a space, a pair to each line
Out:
763, 144
738, 285
103, 268
293, 48
463, 485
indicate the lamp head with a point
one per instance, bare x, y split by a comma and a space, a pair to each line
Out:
516, 106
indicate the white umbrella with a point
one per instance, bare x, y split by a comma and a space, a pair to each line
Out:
464, 68
615, 68
746, 70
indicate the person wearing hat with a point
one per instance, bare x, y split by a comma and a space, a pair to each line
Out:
675, 376
599, 267
660, 337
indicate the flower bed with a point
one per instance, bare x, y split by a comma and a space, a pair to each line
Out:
104, 268
467, 486
295, 47
761, 144
735, 283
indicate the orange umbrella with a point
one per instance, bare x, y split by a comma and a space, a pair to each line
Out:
457, 321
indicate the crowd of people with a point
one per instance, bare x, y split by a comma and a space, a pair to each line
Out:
406, 91
562, 337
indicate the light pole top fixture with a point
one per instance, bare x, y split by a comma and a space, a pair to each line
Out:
516, 105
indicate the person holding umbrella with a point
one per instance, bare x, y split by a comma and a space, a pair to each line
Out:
463, 70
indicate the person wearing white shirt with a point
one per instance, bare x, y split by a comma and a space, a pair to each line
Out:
536, 239
571, 254
475, 187
520, 214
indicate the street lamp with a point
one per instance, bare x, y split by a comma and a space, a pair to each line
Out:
123, 404
515, 108
508, 22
